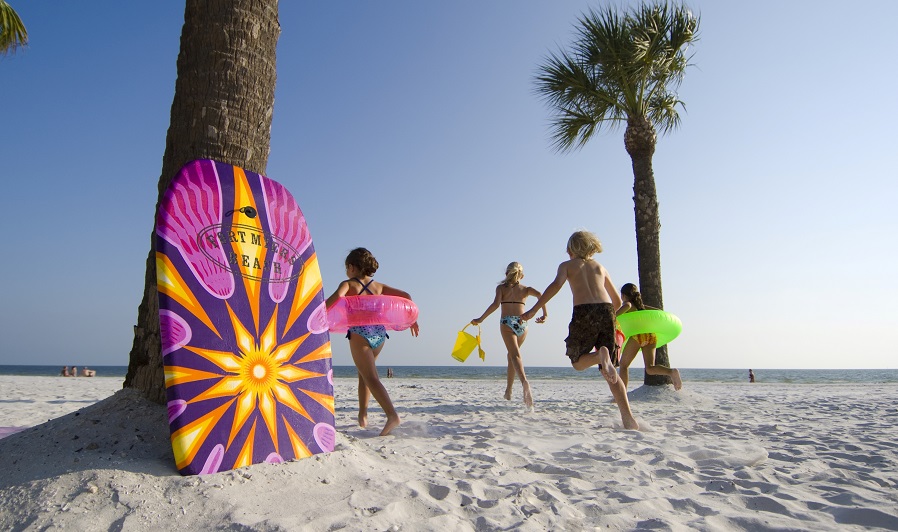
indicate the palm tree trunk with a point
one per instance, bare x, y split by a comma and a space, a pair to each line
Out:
222, 110
639, 140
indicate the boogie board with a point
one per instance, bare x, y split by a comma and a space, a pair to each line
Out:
245, 342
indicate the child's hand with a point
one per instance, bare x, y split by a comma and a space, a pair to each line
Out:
475, 321
541, 319
414, 329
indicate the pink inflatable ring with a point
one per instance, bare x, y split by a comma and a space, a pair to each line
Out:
393, 312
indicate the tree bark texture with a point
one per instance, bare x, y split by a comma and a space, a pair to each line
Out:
222, 110
640, 140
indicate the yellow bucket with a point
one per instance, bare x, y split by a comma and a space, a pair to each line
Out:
465, 344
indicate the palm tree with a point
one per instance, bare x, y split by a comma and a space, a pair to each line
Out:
12, 32
625, 67
222, 110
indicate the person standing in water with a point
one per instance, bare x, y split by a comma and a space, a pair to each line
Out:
510, 295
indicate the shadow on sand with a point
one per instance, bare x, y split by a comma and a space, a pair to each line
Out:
124, 432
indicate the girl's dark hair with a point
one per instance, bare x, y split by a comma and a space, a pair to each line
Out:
363, 260
633, 295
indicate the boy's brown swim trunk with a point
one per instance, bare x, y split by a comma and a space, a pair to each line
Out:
592, 325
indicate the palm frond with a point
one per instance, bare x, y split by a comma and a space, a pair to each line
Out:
571, 129
566, 80
662, 112
12, 31
582, 103
621, 65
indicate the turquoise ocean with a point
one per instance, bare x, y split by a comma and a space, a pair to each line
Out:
475, 372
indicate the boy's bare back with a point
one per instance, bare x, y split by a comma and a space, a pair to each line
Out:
589, 282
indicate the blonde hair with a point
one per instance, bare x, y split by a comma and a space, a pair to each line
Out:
583, 244
514, 272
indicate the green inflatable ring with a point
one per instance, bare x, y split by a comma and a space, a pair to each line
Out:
664, 325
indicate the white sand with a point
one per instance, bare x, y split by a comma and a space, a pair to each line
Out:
711, 457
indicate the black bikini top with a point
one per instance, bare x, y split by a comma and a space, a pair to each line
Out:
364, 285
515, 302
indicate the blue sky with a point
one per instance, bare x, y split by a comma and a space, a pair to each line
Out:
412, 128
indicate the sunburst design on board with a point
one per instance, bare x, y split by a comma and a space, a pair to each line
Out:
248, 380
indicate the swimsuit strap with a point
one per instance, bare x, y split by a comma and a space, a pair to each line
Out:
364, 286
518, 302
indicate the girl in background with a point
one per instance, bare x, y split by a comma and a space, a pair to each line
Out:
631, 302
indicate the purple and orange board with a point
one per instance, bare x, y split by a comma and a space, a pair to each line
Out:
245, 342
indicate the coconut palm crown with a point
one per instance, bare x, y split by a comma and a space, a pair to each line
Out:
622, 67
625, 67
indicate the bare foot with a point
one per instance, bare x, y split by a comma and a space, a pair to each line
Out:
363, 420
392, 423
607, 368
630, 422
528, 396
508, 394
675, 377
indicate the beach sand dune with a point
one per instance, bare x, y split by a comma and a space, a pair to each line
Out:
710, 457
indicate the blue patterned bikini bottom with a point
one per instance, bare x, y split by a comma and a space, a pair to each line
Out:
375, 334
515, 323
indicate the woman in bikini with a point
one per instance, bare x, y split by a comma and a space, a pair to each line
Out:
510, 295
632, 301
366, 342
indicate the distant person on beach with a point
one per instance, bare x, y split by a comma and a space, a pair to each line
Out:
366, 342
74, 371
632, 302
65, 371
751, 376
87, 372
510, 295
389, 373
593, 321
